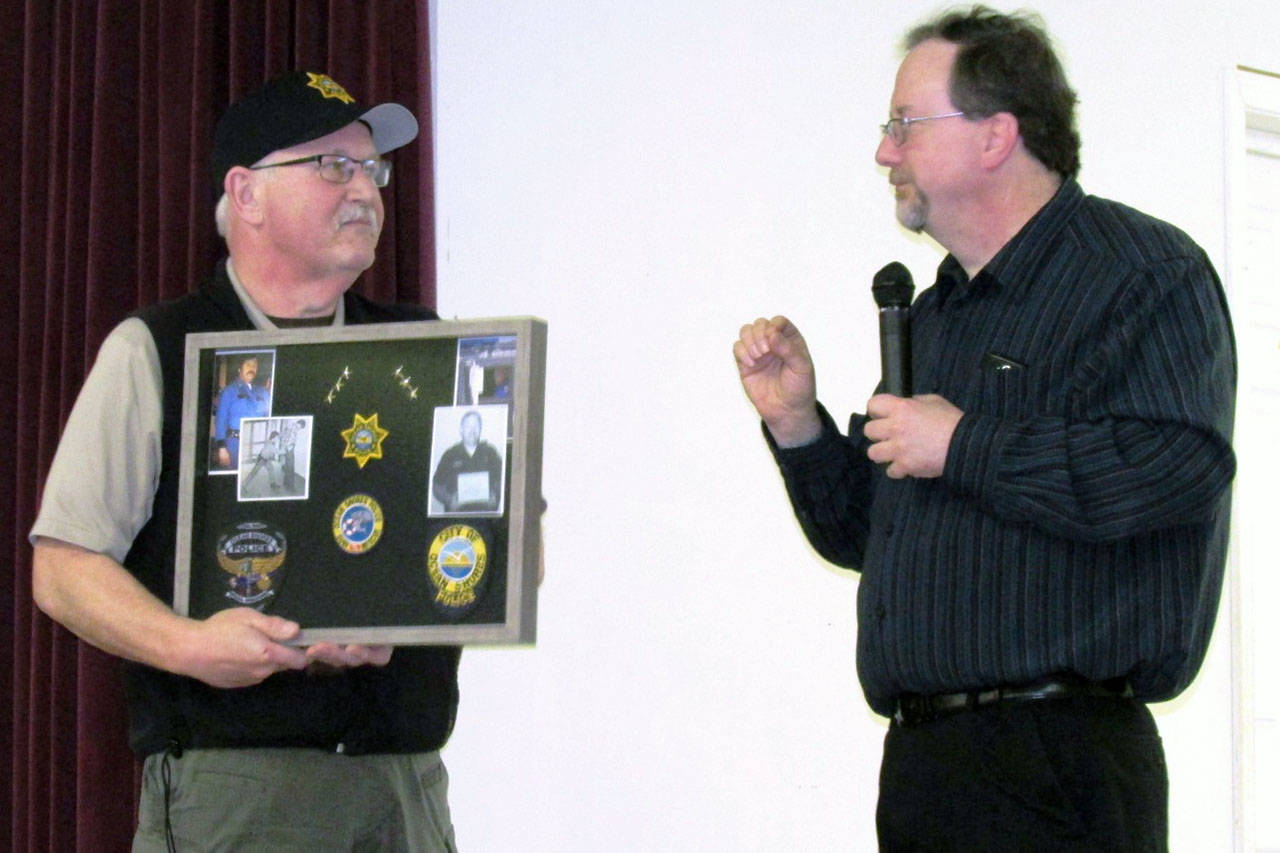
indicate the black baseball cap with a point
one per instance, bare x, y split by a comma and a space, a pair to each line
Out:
294, 108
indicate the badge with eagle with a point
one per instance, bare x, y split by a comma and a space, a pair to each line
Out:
253, 554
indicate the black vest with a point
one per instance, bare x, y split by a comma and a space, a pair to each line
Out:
406, 706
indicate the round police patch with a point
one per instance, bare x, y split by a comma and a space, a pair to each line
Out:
455, 565
357, 524
253, 554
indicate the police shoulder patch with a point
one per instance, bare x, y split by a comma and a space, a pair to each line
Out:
456, 562
357, 524
253, 554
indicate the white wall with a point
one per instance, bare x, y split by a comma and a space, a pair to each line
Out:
647, 177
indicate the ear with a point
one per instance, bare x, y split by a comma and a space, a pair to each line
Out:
1001, 139
242, 189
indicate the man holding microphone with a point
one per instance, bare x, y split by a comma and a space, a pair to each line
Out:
1041, 526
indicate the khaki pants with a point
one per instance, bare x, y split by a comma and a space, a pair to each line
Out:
295, 800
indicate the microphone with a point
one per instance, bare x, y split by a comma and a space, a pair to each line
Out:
892, 288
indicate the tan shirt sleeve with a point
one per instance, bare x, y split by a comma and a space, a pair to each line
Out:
105, 472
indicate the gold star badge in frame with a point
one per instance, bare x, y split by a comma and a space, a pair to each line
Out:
364, 439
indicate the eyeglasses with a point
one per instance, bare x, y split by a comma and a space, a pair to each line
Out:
896, 128
337, 169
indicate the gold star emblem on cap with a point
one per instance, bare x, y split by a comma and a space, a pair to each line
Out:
364, 439
325, 85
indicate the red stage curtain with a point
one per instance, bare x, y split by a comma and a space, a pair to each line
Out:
107, 114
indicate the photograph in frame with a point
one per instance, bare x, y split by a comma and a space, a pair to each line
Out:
468, 458
274, 459
242, 389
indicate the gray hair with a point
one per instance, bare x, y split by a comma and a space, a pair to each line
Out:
222, 210
220, 215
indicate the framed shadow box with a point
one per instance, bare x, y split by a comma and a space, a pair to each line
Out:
374, 483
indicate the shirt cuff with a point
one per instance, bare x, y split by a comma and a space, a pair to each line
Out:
806, 458
971, 458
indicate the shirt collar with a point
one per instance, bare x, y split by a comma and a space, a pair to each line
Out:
261, 320
1014, 266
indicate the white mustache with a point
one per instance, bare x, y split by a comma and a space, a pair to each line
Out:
357, 213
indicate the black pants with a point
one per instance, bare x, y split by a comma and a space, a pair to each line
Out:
1084, 773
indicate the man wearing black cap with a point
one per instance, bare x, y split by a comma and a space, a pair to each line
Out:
249, 742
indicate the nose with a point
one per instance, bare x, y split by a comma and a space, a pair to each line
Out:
362, 186
362, 190
887, 153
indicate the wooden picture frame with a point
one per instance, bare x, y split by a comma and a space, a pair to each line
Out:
375, 483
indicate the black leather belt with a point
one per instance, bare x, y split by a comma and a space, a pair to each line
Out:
914, 708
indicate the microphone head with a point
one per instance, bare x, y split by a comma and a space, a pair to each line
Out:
892, 287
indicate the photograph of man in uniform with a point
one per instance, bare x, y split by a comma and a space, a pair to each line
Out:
467, 478
267, 459
248, 395
291, 431
276, 458
501, 383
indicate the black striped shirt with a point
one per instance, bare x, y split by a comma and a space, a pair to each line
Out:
1080, 524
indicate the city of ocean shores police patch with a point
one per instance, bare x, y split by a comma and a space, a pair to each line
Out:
456, 563
357, 524
253, 554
